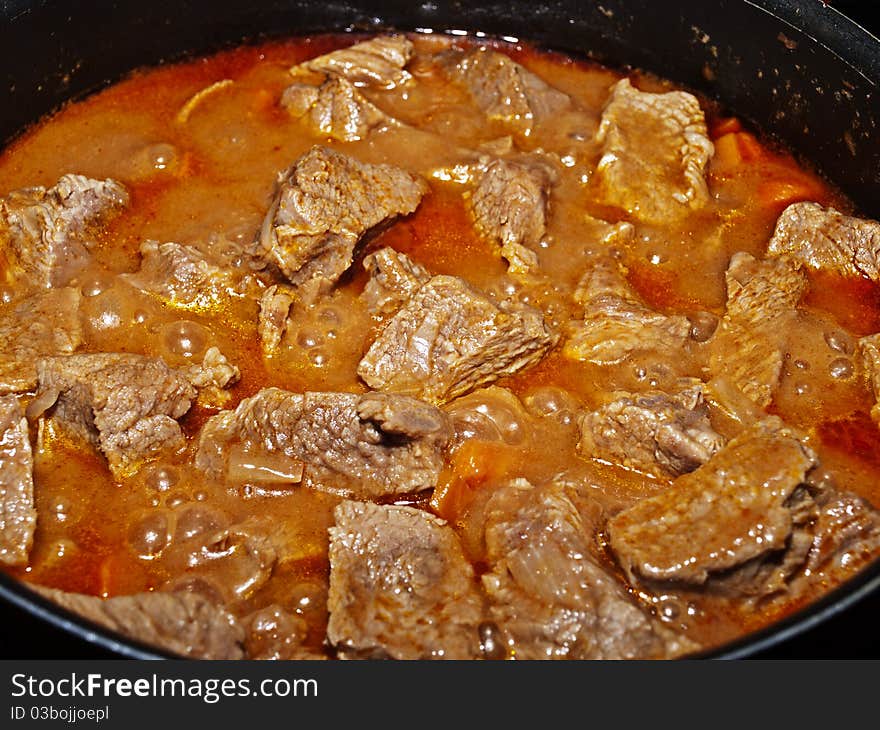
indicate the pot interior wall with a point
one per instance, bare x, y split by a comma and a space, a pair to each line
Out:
771, 61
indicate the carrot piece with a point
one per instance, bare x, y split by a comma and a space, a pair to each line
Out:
473, 466
780, 193
727, 153
750, 148
724, 126
118, 575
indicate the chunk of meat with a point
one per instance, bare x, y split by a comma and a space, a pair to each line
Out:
509, 206
394, 278
449, 338
379, 62
275, 306
616, 321
360, 445
336, 109
215, 371
43, 324
506, 91
748, 345
653, 432
18, 516
869, 350
654, 153
741, 508
180, 623
126, 405
824, 238
846, 533
46, 232
548, 592
323, 206
400, 586
186, 277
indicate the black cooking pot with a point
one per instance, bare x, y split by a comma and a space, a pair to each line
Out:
799, 71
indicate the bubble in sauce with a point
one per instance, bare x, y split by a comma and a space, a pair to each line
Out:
162, 478
841, 368
840, 341
150, 535
153, 158
185, 338
60, 509
551, 401
198, 519
308, 598
95, 284
308, 339
328, 314
703, 325
492, 641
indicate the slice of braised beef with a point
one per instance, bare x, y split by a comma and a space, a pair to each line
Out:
449, 338
550, 595
655, 150
47, 233
365, 446
43, 324
324, 203
400, 586
181, 623
825, 238
18, 516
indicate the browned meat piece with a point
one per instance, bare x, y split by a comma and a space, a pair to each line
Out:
400, 586
846, 532
654, 153
509, 206
43, 324
360, 445
616, 320
124, 404
550, 595
652, 432
275, 306
449, 338
745, 507
184, 276
379, 62
18, 517
506, 91
324, 204
180, 623
748, 346
336, 109
215, 371
394, 278
46, 231
869, 349
824, 238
